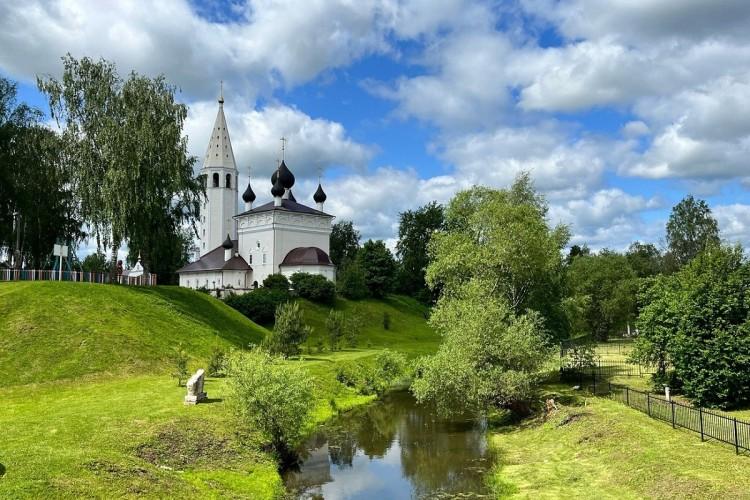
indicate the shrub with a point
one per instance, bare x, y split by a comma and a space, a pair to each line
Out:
349, 373
581, 356
258, 305
314, 287
386, 321
352, 283
276, 282
353, 327
270, 395
180, 364
217, 362
289, 331
390, 366
335, 324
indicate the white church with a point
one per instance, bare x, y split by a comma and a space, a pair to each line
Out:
238, 250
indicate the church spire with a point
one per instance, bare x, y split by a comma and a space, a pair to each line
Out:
219, 153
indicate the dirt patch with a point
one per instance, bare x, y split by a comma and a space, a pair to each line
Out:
572, 417
103, 467
186, 444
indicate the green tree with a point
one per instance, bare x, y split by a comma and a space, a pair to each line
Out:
604, 286
336, 326
415, 229
289, 331
691, 228
95, 263
351, 282
502, 236
344, 243
270, 395
37, 207
127, 152
314, 287
379, 267
645, 259
494, 260
277, 282
699, 321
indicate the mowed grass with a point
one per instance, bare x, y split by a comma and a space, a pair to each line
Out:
51, 331
91, 410
603, 449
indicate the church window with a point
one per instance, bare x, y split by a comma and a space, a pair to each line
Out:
216, 180
264, 258
229, 181
250, 259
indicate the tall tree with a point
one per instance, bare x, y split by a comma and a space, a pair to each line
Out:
415, 230
603, 287
379, 267
36, 204
495, 260
690, 229
645, 259
344, 243
131, 170
503, 236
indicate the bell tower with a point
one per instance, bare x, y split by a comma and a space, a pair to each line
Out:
220, 175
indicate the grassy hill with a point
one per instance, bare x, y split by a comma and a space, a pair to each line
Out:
51, 331
408, 331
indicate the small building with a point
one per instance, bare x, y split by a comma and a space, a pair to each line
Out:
238, 250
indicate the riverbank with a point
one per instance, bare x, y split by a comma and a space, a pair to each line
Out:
594, 447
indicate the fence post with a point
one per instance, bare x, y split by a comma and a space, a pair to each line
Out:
627, 395
700, 412
593, 372
736, 438
672, 402
648, 402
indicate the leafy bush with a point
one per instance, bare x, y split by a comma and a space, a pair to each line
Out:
289, 331
353, 328
349, 373
276, 282
386, 321
352, 283
314, 287
217, 362
258, 305
270, 395
581, 356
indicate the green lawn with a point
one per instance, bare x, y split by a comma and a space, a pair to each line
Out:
51, 331
92, 411
602, 449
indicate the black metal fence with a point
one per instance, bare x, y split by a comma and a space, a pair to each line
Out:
604, 370
708, 424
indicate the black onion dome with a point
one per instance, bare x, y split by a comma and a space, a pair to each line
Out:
248, 196
291, 197
227, 243
286, 175
273, 176
320, 195
278, 188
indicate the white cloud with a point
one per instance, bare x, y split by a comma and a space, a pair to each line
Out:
734, 223
313, 143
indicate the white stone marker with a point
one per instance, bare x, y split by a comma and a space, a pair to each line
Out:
194, 386
667, 394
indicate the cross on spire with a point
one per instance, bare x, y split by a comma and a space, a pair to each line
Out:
221, 91
283, 147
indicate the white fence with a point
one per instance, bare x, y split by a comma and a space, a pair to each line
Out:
78, 276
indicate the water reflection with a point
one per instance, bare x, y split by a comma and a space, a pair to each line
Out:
393, 449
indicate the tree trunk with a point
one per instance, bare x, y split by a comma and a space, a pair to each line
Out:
113, 260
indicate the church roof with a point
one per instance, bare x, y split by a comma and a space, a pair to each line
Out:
219, 153
214, 261
306, 256
286, 205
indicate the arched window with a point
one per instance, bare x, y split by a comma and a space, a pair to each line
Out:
229, 181
216, 180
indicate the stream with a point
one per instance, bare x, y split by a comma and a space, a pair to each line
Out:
393, 449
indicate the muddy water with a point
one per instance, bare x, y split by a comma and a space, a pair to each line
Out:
394, 449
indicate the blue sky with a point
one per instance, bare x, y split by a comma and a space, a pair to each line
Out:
618, 109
